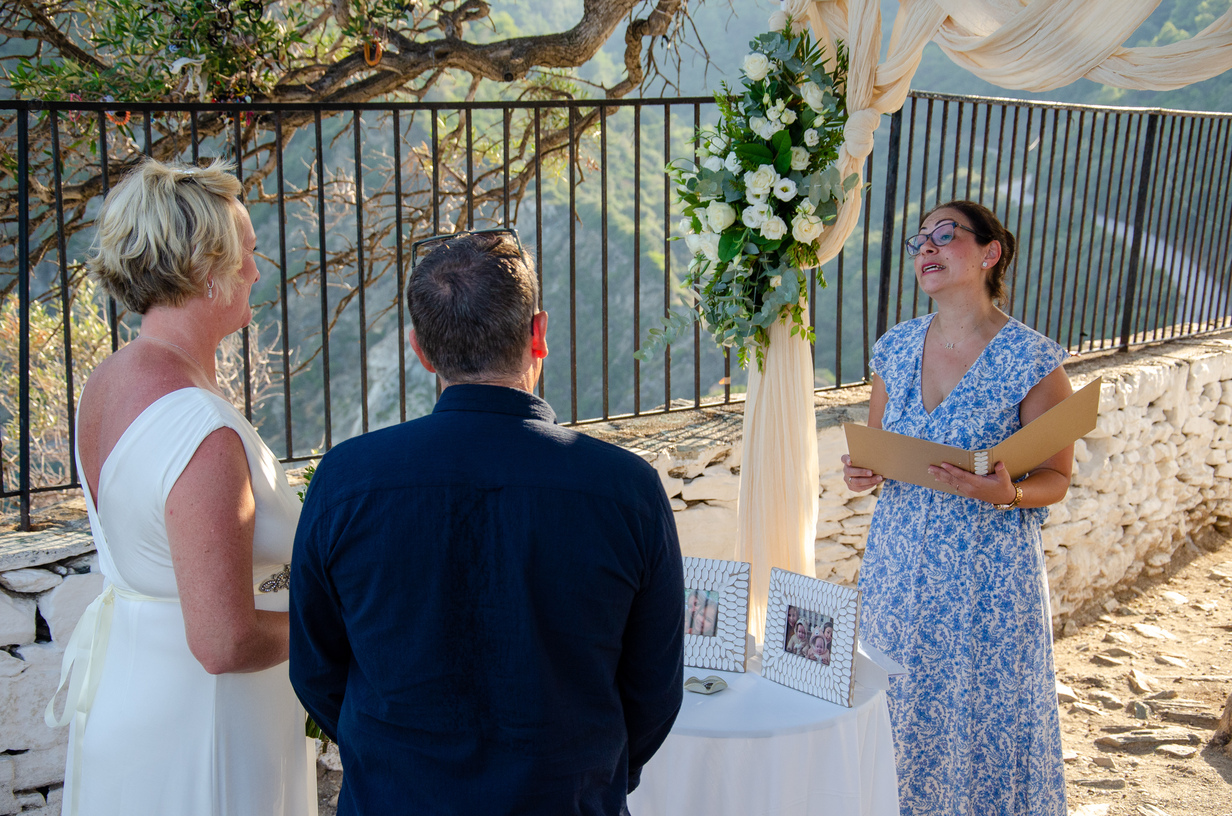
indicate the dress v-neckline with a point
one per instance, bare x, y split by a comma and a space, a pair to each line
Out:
919, 367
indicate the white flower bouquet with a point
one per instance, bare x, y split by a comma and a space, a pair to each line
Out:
761, 192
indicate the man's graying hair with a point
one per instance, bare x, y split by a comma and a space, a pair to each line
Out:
471, 301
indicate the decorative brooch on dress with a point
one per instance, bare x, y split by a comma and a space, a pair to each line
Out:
278, 581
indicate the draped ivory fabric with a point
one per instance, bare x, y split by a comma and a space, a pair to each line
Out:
778, 497
1030, 45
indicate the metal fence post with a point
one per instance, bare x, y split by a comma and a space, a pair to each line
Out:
887, 223
1135, 251
23, 289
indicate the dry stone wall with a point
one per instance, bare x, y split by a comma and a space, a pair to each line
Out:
46, 581
1155, 470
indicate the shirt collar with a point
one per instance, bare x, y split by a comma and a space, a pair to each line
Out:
494, 399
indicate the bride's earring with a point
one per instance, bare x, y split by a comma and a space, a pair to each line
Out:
209, 287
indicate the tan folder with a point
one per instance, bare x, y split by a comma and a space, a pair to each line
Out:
907, 459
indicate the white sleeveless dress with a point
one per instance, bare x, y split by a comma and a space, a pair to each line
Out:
161, 735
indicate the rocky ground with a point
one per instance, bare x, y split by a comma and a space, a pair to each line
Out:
1142, 688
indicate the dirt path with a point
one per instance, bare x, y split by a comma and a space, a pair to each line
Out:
1142, 688
1176, 634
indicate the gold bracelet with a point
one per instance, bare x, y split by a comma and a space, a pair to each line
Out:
1014, 503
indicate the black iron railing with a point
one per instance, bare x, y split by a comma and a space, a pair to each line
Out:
1122, 218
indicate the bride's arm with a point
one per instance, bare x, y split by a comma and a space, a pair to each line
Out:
210, 516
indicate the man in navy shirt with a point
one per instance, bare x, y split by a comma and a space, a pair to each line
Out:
486, 608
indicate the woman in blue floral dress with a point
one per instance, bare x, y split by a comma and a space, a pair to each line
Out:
954, 586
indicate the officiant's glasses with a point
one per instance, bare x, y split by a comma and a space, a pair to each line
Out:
425, 246
941, 235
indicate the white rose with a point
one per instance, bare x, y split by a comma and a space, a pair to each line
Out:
760, 181
756, 66
778, 21
774, 114
799, 158
755, 216
806, 228
720, 215
814, 96
785, 189
710, 246
732, 163
694, 242
764, 128
806, 207
811, 137
787, 117
775, 281
686, 226
718, 144
713, 163
773, 229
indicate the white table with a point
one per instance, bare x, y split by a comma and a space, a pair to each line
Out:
762, 748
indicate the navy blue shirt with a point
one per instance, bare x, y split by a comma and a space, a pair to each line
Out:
486, 612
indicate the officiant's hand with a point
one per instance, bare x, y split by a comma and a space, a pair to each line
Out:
859, 479
995, 488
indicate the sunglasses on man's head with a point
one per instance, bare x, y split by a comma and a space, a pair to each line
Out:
940, 235
427, 245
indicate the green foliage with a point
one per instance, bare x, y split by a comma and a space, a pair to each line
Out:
756, 202
204, 50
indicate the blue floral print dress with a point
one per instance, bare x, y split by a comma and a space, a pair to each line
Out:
956, 591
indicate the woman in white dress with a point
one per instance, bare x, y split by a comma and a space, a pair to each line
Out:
180, 701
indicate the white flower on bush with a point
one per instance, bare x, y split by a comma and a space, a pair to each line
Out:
732, 163
720, 215
814, 96
760, 181
806, 228
754, 217
806, 207
774, 228
799, 158
756, 66
811, 137
718, 144
686, 227
785, 189
775, 281
778, 21
713, 163
787, 117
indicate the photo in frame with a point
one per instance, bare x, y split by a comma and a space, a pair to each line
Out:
810, 639
716, 613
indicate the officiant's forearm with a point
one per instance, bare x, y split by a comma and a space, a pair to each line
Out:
1043, 487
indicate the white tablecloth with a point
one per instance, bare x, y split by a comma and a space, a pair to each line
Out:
762, 748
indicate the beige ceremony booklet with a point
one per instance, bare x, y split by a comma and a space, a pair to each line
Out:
907, 459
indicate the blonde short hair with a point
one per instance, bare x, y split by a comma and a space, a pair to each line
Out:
165, 230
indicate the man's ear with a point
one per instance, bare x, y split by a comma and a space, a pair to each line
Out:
539, 335
423, 360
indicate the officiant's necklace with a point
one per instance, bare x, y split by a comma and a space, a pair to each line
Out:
951, 345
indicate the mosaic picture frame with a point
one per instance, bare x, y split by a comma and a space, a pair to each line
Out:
716, 613
828, 670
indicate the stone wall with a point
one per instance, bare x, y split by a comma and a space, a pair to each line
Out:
1155, 470
47, 580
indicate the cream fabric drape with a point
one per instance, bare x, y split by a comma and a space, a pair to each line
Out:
1030, 45
778, 495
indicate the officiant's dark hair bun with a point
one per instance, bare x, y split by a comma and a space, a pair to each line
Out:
988, 228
